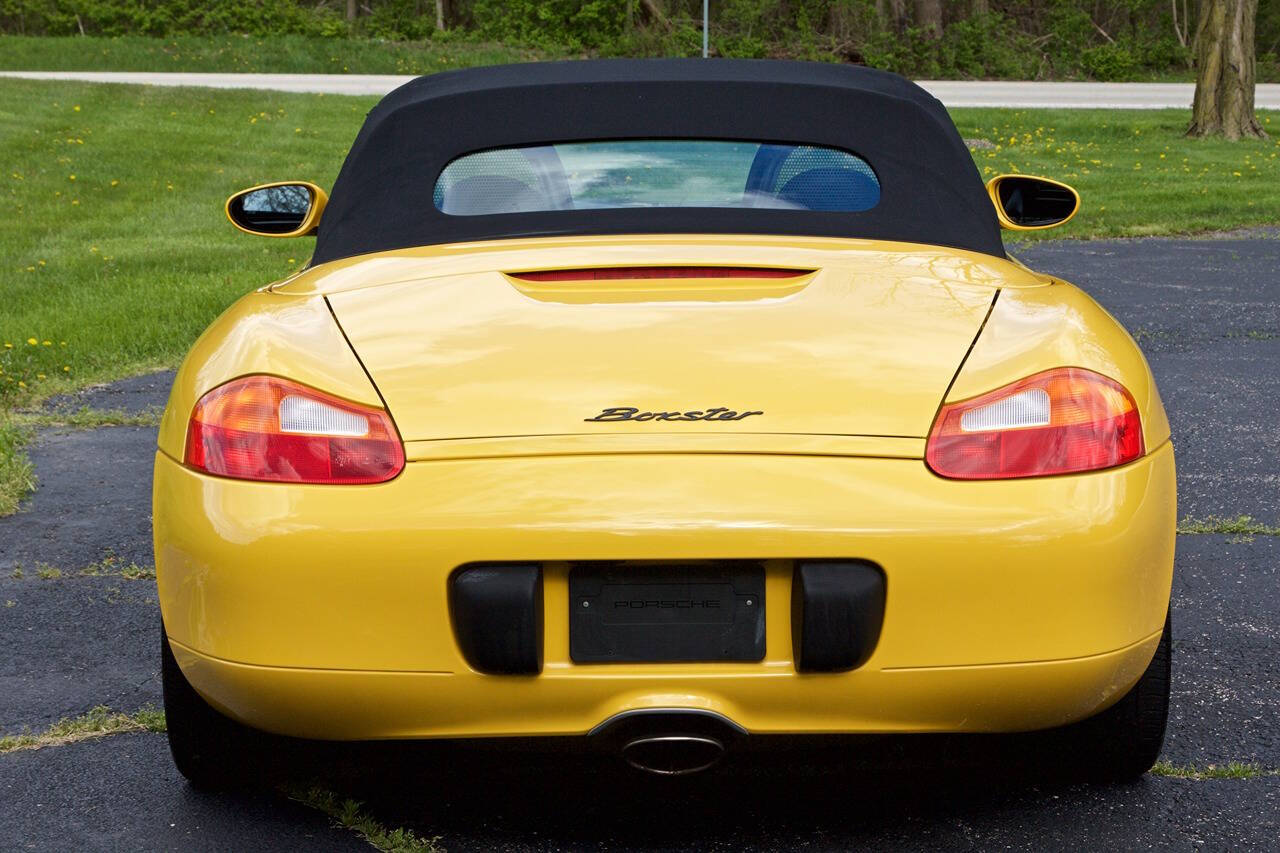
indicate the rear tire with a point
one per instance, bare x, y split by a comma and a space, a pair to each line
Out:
211, 750
1123, 742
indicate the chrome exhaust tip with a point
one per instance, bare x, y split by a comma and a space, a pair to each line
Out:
673, 755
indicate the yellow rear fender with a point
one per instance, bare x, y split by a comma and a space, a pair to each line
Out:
1035, 329
279, 334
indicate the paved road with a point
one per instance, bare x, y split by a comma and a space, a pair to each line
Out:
1208, 315
953, 93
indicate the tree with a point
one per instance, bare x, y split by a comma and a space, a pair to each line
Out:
892, 14
929, 17
351, 10
1226, 70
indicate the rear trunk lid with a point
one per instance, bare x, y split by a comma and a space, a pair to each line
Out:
851, 339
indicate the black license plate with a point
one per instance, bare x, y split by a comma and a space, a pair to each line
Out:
622, 613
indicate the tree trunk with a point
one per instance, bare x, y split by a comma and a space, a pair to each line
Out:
1226, 70
892, 14
979, 7
1177, 30
440, 15
655, 13
929, 17
351, 10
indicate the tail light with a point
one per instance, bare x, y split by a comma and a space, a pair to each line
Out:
617, 273
266, 428
1057, 422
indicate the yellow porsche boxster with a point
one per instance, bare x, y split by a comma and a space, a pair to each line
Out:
662, 404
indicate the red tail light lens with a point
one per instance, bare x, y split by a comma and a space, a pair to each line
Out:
265, 428
1057, 422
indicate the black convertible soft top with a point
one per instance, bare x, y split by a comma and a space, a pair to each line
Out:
931, 191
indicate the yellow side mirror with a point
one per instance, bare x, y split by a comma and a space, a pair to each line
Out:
1029, 203
281, 209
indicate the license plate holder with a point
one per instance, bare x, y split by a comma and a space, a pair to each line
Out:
622, 613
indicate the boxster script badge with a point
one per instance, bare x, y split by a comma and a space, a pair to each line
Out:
630, 413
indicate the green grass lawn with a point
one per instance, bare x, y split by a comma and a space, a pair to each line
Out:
114, 252
1136, 173
240, 53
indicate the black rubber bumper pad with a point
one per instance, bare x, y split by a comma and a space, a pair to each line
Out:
837, 609
497, 617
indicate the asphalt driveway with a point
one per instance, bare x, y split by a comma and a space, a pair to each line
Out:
1207, 313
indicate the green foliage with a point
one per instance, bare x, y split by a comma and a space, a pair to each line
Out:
1060, 39
168, 17
263, 54
1107, 62
572, 25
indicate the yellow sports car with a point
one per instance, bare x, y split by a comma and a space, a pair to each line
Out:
663, 404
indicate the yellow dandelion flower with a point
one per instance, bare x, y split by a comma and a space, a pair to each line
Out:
115, 183
8, 345
71, 177
21, 384
66, 368
76, 108
32, 341
47, 343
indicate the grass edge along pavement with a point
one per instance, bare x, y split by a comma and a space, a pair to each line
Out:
17, 476
1241, 528
100, 721
117, 255
349, 814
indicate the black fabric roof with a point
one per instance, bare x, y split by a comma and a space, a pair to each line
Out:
931, 191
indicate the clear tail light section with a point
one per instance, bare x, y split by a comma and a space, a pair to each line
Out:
271, 429
1060, 421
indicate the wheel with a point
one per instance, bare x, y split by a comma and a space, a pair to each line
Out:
211, 750
1123, 742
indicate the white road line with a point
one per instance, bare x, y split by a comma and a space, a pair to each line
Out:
953, 93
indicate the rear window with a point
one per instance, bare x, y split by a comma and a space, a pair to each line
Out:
656, 173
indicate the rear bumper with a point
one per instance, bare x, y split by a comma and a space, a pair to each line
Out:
353, 705
322, 611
